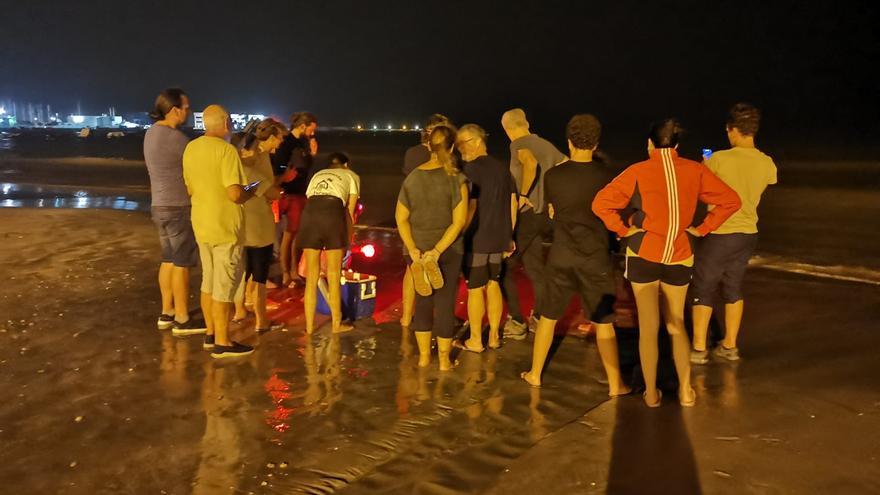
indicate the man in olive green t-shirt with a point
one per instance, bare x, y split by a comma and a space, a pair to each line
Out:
723, 255
215, 180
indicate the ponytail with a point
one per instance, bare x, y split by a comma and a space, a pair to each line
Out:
441, 141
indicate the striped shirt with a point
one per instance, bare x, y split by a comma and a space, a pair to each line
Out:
664, 191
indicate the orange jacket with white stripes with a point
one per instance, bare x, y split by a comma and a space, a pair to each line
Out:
664, 190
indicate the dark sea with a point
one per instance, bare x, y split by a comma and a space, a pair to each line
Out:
821, 218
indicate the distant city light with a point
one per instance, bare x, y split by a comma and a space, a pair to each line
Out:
416, 127
359, 127
77, 119
375, 127
404, 127
2, 111
389, 127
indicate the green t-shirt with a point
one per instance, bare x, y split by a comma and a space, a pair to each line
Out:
431, 196
210, 165
747, 171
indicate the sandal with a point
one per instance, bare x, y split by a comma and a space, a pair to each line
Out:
659, 399
420, 279
433, 273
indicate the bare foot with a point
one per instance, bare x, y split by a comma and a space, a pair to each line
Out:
467, 345
405, 321
531, 380
687, 398
620, 391
494, 341
424, 360
447, 365
342, 328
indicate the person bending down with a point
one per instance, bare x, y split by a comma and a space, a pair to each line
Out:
579, 260
431, 212
658, 252
326, 225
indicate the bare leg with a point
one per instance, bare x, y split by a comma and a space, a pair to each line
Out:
238, 299
165, 288
444, 348
220, 311
648, 305
476, 307
702, 316
408, 300
180, 289
423, 340
250, 294
733, 314
334, 273
260, 306
313, 259
207, 303
606, 341
543, 340
674, 297
286, 251
495, 307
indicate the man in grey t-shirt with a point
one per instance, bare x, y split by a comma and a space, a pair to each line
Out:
163, 154
531, 156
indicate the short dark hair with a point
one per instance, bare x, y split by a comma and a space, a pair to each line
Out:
434, 120
302, 118
583, 130
665, 133
338, 158
744, 117
167, 99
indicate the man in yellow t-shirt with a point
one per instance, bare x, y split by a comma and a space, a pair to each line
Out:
722, 256
215, 181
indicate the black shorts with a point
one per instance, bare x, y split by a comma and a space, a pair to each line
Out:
569, 273
721, 259
323, 224
642, 271
176, 235
481, 268
257, 262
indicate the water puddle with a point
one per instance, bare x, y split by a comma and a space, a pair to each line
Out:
14, 195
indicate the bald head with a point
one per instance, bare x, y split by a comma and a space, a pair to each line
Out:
514, 119
216, 120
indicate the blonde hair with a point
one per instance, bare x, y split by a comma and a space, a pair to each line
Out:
514, 119
440, 142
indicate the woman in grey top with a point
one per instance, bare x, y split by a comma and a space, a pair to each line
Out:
431, 213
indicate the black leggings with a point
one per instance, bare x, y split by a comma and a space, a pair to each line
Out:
257, 262
437, 311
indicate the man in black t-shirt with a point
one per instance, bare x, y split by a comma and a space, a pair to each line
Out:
489, 233
579, 260
292, 164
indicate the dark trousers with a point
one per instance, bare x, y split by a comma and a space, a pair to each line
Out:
437, 311
532, 229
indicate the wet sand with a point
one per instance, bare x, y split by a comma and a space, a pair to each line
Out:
99, 401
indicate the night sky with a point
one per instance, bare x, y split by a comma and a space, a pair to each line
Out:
809, 67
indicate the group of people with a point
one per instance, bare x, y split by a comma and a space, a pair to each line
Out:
222, 198
482, 218
214, 203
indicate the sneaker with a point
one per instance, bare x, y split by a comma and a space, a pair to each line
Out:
699, 357
208, 345
420, 279
231, 351
514, 329
164, 322
722, 352
189, 327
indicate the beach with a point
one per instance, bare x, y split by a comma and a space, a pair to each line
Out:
99, 401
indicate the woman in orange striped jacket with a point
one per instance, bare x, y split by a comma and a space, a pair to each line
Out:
664, 190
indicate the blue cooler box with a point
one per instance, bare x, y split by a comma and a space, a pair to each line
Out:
358, 296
